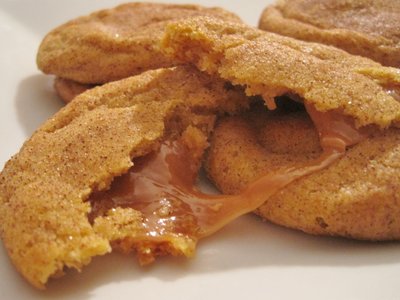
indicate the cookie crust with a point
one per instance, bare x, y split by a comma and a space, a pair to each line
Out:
115, 43
367, 28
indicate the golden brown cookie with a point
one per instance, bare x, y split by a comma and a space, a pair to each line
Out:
45, 188
271, 65
68, 89
112, 44
355, 197
364, 27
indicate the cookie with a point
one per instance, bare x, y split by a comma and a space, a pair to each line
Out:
354, 197
68, 89
115, 43
49, 222
362, 27
271, 65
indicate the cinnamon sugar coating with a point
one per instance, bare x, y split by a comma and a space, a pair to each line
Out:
115, 43
271, 65
44, 188
364, 27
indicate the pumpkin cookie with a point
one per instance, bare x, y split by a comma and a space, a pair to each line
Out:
78, 152
367, 27
271, 65
354, 197
115, 43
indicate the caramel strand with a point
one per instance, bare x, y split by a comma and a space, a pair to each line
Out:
162, 185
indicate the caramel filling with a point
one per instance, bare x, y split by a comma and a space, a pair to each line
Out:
270, 102
162, 186
394, 92
336, 131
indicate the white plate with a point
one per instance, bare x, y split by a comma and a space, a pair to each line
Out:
248, 258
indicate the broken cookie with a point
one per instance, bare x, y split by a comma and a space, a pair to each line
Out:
47, 186
271, 65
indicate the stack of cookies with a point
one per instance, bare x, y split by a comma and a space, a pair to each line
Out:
304, 134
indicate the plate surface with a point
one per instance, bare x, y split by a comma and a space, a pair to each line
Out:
247, 259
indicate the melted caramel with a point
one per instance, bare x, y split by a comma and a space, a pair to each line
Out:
162, 186
270, 102
336, 131
394, 92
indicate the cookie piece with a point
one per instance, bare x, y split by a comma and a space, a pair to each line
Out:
355, 197
115, 43
362, 27
45, 187
68, 89
271, 65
